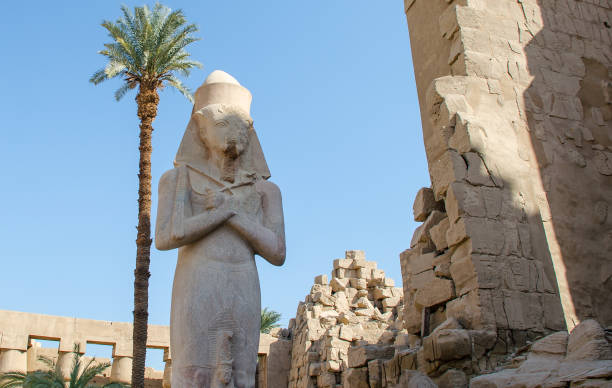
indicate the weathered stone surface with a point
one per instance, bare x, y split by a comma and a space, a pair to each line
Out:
355, 378
424, 204
360, 355
438, 234
554, 344
452, 378
588, 342
437, 291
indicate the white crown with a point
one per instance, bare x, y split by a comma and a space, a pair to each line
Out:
221, 88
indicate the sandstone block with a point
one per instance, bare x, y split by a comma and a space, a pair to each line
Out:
375, 374
438, 234
338, 284
332, 366
391, 302
359, 355
477, 173
314, 369
364, 273
415, 379
355, 378
346, 333
343, 263
553, 344
487, 236
364, 312
420, 263
464, 275
447, 168
388, 282
321, 279
447, 344
392, 370
452, 378
421, 234
324, 299
359, 284
355, 255
437, 291
463, 199
412, 318
424, 204
588, 342
326, 380
381, 293
421, 280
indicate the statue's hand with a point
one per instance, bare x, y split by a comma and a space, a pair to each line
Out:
229, 202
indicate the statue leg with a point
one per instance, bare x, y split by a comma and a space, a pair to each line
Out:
247, 337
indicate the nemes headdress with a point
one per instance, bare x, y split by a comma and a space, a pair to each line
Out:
220, 88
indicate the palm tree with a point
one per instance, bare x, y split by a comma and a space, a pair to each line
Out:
269, 320
147, 50
80, 375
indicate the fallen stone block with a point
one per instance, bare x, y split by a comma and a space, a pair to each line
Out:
415, 379
321, 279
554, 344
588, 342
360, 355
338, 284
452, 378
355, 378
376, 373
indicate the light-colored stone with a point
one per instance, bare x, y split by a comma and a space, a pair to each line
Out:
588, 342
437, 291
208, 204
424, 204
355, 378
360, 355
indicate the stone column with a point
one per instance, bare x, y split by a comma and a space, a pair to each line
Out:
167, 369
121, 370
13, 360
65, 355
13, 352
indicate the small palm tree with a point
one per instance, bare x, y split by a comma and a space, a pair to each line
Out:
80, 375
269, 320
147, 50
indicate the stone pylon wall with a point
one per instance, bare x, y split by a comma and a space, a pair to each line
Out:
515, 103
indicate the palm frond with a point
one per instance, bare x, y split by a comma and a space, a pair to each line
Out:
178, 85
269, 320
92, 369
12, 379
49, 362
119, 93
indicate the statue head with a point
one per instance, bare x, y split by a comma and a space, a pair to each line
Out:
221, 124
224, 129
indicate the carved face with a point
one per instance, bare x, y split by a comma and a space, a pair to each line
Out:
224, 129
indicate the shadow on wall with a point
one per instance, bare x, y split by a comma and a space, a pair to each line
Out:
568, 108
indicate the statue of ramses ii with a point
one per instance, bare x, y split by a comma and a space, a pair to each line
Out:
217, 206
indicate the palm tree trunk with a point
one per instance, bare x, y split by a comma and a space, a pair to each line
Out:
147, 100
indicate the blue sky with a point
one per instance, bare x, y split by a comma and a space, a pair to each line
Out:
334, 104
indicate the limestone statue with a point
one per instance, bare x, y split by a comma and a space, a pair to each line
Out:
219, 209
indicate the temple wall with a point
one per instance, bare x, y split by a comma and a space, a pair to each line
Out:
19, 349
514, 97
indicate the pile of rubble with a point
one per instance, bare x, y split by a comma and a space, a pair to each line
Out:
344, 323
580, 359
